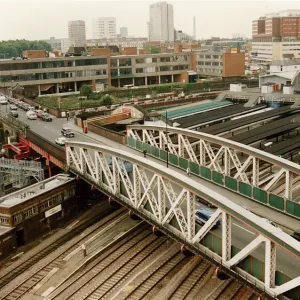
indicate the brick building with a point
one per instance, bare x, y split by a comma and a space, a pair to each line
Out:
34, 210
276, 36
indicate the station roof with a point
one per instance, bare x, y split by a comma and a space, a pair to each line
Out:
269, 130
34, 190
217, 114
284, 148
201, 107
233, 124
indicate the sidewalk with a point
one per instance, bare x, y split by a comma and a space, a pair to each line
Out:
289, 223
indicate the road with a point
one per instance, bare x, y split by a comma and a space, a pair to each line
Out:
241, 235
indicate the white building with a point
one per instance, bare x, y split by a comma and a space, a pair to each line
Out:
161, 25
105, 27
266, 52
60, 44
77, 32
139, 43
123, 32
65, 44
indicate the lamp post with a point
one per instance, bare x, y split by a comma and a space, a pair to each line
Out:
167, 139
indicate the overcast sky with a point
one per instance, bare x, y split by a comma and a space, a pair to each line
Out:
40, 19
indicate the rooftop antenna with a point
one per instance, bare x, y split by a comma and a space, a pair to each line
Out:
194, 28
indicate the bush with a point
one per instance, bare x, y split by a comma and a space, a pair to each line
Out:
86, 90
107, 100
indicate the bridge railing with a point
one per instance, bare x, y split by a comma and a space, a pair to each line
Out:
229, 164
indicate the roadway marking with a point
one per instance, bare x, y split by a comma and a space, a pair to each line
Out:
243, 228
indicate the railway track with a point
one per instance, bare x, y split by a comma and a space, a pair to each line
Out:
107, 272
57, 261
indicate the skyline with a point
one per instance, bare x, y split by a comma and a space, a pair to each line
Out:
209, 15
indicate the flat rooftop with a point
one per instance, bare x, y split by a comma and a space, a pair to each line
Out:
197, 108
237, 123
207, 117
34, 190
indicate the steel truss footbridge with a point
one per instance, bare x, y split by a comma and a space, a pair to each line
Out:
262, 176
165, 197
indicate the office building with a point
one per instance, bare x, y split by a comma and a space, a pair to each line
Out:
104, 28
77, 32
161, 24
62, 45
276, 37
48, 75
225, 63
123, 32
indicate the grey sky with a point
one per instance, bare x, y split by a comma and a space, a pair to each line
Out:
40, 19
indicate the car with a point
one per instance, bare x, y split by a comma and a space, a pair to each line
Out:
3, 100
67, 132
31, 115
39, 113
61, 141
13, 113
46, 117
13, 107
296, 235
269, 222
90, 110
202, 215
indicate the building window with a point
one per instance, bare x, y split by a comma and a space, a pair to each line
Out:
31, 212
4, 220
18, 218
140, 60
51, 202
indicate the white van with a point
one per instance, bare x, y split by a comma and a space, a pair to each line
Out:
31, 115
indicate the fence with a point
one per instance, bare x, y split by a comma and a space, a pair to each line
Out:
247, 190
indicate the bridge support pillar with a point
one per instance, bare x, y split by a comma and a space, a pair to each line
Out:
270, 264
226, 236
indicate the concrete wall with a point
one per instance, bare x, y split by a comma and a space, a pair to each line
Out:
114, 136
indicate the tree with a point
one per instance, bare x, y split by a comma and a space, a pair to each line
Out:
86, 90
14, 48
153, 49
107, 100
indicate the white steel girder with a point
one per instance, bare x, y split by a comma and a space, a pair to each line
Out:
168, 197
227, 160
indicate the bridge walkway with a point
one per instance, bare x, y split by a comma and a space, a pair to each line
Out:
285, 221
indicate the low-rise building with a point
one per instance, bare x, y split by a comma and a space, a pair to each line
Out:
229, 63
56, 75
34, 210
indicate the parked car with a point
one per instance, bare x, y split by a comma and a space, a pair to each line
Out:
61, 141
31, 115
90, 110
13, 113
203, 215
46, 117
3, 100
67, 132
296, 235
39, 113
13, 107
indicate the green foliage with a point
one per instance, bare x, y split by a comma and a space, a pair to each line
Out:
153, 49
107, 100
14, 48
67, 103
86, 90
